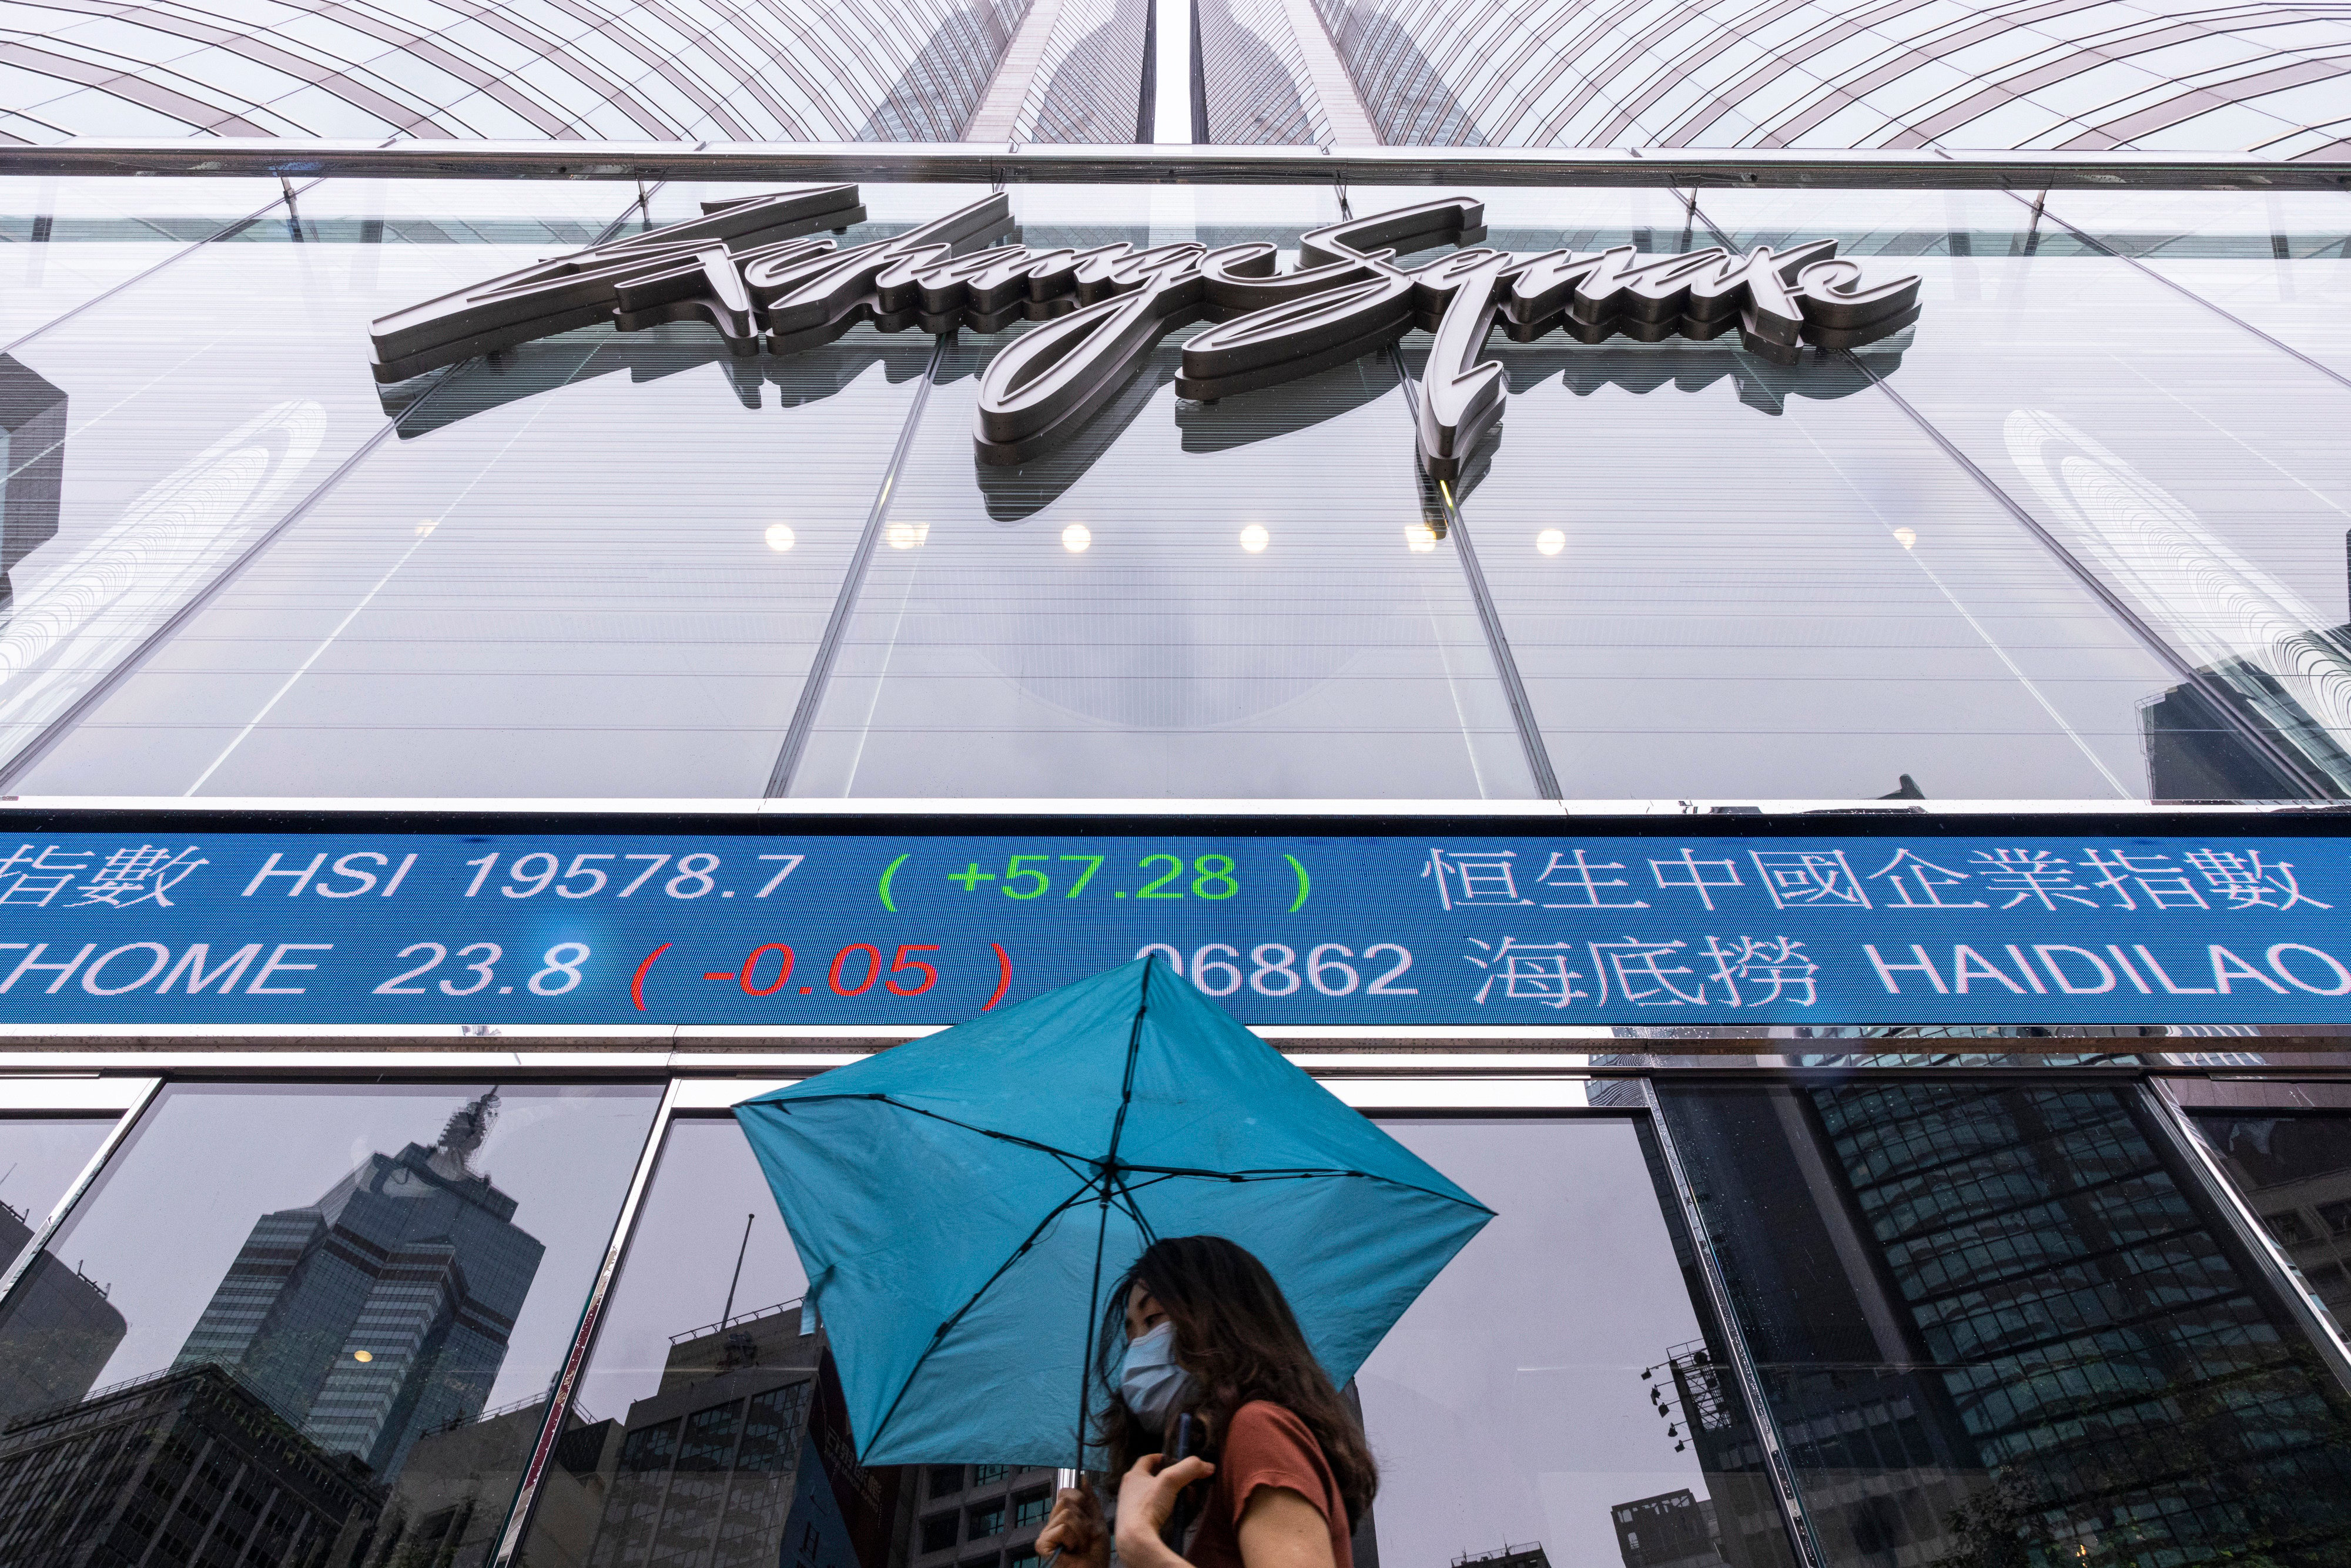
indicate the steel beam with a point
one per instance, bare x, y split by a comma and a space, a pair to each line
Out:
986, 163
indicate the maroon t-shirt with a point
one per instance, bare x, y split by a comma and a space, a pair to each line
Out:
1268, 1446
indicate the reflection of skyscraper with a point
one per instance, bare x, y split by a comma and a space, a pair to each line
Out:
2001, 1315
383, 1311
59, 1331
449, 1505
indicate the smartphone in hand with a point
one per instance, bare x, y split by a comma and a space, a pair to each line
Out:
1190, 1437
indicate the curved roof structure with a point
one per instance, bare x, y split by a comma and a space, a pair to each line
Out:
2071, 75
821, 70
2075, 76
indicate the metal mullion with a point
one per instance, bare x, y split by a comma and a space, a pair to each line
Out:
853, 581
2258, 735
225, 231
69, 719
73, 1194
561, 1396
2039, 210
1742, 1360
2311, 1314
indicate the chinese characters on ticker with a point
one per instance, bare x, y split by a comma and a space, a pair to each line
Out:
846, 929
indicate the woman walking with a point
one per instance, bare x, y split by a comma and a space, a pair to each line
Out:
1199, 1327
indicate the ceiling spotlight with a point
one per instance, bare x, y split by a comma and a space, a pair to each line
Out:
1907, 536
1419, 538
906, 535
1254, 539
1550, 541
1076, 538
779, 537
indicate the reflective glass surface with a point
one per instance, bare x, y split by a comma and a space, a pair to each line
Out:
1187, 600
2008, 1325
39, 1157
2295, 1171
1560, 1387
305, 1318
1190, 605
73, 239
2180, 461
2280, 262
710, 1426
2076, 535
197, 407
1553, 1390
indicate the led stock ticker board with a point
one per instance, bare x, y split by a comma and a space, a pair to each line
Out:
852, 928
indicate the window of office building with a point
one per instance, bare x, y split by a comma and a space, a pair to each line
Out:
319, 1324
2006, 1325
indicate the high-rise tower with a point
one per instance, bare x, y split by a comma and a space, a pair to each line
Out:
383, 1311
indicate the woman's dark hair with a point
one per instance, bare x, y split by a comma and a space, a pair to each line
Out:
1237, 1336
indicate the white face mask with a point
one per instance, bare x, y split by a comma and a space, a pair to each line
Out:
1150, 1381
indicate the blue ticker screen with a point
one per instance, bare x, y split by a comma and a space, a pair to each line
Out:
197, 925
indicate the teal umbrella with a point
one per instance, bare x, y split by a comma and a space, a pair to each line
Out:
963, 1204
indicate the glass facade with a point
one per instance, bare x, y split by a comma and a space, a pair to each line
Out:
2077, 535
1989, 1321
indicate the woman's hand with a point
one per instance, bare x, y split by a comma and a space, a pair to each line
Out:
1146, 1501
1075, 1530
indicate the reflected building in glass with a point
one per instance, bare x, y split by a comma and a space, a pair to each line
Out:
61, 1329
381, 1312
1985, 1315
743, 1459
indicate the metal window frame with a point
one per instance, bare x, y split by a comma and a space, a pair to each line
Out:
993, 162
2193, 1150
132, 1104
1551, 1086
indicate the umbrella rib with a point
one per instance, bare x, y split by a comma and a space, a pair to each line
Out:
1067, 1204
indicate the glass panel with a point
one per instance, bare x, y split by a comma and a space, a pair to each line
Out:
710, 1427
1236, 599
1558, 1395
196, 408
2193, 468
560, 215
1836, 612
316, 1317
1180, 605
2004, 1325
84, 236
2281, 261
644, 649
39, 1157
2295, 1171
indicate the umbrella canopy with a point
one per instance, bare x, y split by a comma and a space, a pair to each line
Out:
964, 1203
